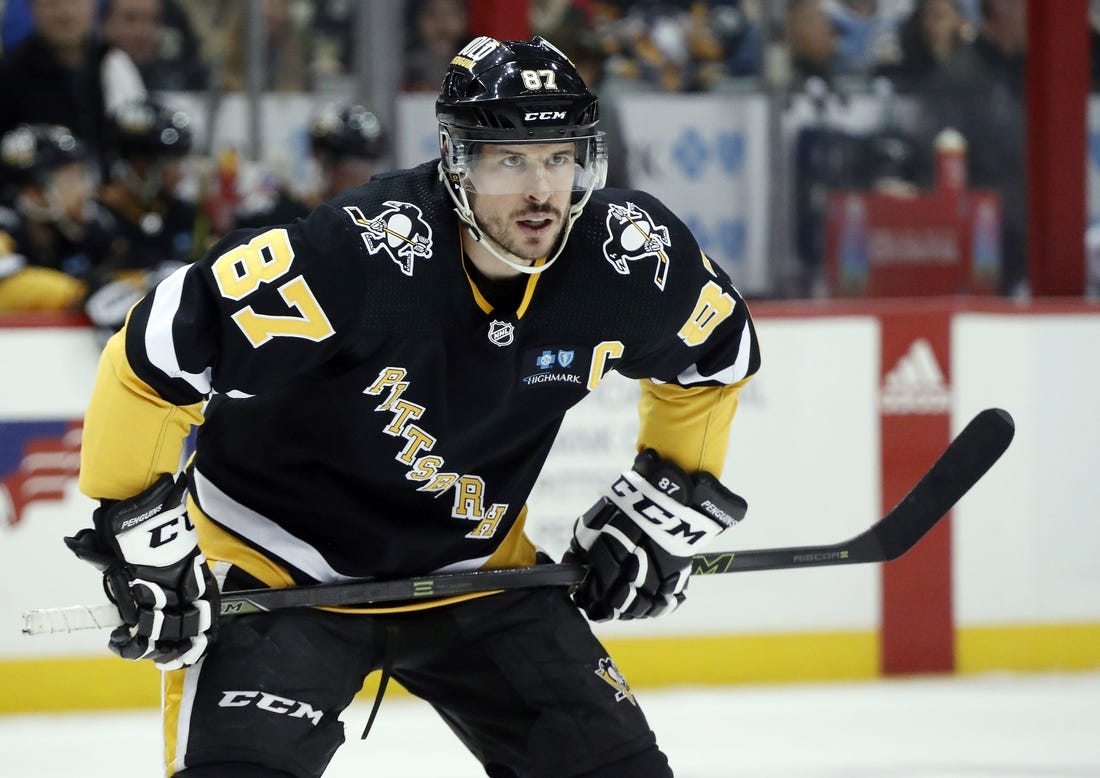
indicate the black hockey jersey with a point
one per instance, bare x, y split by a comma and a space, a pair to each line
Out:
370, 413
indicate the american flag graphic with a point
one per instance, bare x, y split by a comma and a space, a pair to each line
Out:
37, 461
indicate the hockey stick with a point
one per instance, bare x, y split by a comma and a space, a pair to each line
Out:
959, 467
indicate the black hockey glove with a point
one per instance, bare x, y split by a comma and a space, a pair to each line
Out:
153, 570
638, 540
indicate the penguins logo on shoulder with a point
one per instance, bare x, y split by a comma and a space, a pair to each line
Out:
632, 236
399, 231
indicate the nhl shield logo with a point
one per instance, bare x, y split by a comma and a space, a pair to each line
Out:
632, 236
501, 333
399, 231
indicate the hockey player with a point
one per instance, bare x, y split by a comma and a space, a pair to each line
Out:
384, 382
154, 226
346, 142
53, 233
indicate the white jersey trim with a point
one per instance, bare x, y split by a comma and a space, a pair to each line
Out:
729, 375
263, 532
160, 344
186, 705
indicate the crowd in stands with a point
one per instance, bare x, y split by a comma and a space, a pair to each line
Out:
72, 70
662, 45
92, 212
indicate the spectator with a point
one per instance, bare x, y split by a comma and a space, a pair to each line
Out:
213, 24
674, 46
334, 39
346, 142
582, 47
154, 227
739, 27
812, 42
52, 233
934, 33
858, 25
980, 92
663, 45
62, 75
550, 16
289, 34
436, 30
157, 36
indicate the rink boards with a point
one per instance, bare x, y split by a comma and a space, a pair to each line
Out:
852, 403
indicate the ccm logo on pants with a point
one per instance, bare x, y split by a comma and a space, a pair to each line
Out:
272, 703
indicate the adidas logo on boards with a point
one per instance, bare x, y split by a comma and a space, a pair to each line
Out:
916, 384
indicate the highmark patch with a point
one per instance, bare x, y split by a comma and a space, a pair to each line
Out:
550, 365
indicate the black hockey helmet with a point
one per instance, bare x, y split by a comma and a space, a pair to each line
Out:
30, 152
515, 91
149, 128
340, 131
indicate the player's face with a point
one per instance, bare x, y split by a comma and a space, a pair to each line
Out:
71, 187
522, 194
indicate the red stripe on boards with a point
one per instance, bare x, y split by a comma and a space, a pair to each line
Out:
917, 634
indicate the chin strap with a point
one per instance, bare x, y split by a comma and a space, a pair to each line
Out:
466, 216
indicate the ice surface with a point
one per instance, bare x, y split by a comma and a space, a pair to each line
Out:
1003, 726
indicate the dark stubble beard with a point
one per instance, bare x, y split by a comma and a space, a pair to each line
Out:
497, 230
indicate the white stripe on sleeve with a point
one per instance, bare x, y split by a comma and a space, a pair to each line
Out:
160, 345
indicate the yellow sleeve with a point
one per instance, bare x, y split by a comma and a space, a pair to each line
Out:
131, 435
689, 426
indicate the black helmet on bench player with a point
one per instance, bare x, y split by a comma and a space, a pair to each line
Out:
35, 155
516, 92
148, 128
341, 131
29, 153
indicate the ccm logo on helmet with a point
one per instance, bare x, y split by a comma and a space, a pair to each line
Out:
543, 116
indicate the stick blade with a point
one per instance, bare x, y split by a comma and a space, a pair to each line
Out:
969, 457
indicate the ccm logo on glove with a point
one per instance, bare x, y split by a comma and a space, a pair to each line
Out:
630, 499
639, 539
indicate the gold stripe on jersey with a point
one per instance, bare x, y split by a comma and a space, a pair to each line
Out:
485, 305
131, 435
172, 683
516, 550
529, 292
218, 545
688, 425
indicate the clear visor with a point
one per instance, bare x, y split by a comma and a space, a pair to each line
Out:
523, 167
